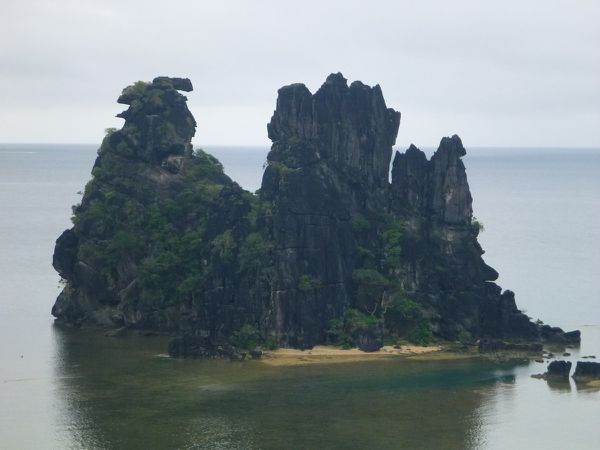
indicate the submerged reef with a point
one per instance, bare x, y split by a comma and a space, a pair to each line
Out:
327, 251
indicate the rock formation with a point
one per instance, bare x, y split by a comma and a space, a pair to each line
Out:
587, 371
329, 163
156, 227
559, 370
328, 250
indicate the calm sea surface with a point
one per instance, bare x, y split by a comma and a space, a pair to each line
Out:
66, 389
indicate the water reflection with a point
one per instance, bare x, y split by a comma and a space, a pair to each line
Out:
119, 393
559, 386
116, 393
584, 388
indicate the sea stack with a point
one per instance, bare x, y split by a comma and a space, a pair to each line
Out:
328, 251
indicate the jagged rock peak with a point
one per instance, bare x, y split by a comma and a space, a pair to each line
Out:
410, 173
158, 122
349, 126
437, 187
451, 197
337, 78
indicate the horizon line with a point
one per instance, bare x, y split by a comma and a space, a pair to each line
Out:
484, 146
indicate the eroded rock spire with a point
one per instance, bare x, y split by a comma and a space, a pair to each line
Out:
350, 126
328, 251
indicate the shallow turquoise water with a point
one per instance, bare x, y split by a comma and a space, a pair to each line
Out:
65, 389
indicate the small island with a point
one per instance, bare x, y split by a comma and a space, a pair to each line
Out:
328, 251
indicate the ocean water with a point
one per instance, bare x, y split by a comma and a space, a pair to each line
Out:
78, 389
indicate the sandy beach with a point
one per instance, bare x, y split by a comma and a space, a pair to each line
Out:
328, 354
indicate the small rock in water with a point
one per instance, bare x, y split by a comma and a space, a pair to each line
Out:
589, 356
566, 354
586, 371
557, 371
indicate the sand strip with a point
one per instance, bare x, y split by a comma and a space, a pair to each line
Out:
327, 354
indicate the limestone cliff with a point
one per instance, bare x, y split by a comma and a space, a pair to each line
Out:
441, 263
329, 163
328, 250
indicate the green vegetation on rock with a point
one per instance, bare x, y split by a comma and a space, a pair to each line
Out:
360, 223
392, 243
346, 330
328, 248
477, 224
306, 283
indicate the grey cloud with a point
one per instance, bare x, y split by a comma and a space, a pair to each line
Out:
475, 68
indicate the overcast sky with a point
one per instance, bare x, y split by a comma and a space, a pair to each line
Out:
509, 74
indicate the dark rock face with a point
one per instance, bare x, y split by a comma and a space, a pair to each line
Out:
329, 161
163, 240
557, 336
442, 263
189, 346
157, 122
587, 370
559, 370
64, 260
370, 341
350, 127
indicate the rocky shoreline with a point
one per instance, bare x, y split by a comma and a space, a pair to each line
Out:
586, 373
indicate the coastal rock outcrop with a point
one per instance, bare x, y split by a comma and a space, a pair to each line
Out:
556, 335
328, 250
587, 371
559, 370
